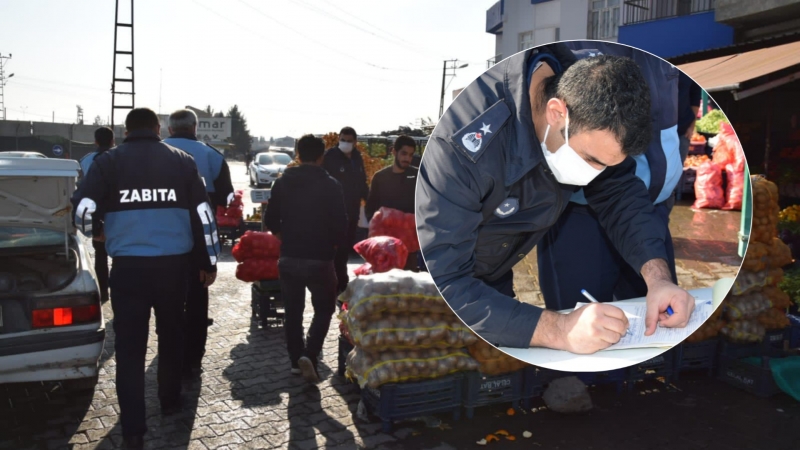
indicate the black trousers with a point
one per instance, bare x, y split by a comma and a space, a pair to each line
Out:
134, 292
196, 321
320, 279
343, 254
101, 268
577, 254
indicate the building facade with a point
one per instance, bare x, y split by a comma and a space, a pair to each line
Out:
521, 24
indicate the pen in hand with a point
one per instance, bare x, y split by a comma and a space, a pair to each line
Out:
593, 300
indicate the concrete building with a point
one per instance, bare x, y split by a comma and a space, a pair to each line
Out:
521, 24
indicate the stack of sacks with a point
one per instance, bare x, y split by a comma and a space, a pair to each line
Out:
258, 253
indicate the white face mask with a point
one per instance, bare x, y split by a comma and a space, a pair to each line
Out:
346, 147
567, 166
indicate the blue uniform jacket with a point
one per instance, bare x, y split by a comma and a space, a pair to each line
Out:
485, 198
210, 163
153, 204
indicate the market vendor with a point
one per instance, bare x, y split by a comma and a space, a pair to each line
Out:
499, 170
393, 187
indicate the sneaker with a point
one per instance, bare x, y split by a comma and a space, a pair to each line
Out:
309, 369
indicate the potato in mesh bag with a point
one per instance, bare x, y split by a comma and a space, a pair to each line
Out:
373, 369
410, 331
746, 306
748, 330
492, 361
395, 291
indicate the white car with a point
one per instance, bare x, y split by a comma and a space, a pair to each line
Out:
267, 167
21, 154
51, 322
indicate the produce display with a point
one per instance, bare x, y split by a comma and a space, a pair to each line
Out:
255, 217
391, 222
257, 252
728, 153
410, 331
232, 215
393, 292
375, 369
371, 164
708, 330
697, 138
710, 123
382, 253
765, 210
708, 187
694, 161
790, 214
492, 361
756, 303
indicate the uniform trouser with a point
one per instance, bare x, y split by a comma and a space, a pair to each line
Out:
196, 324
101, 268
343, 254
134, 292
320, 278
577, 254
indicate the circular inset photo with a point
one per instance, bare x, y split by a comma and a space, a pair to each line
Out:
572, 213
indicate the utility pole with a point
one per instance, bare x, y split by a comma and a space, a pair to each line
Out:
3, 81
123, 79
80, 115
448, 69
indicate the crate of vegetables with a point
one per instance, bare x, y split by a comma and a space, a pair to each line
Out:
748, 368
535, 381
398, 401
481, 390
696, 356
662, 366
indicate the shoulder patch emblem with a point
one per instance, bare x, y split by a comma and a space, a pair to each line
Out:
474, 138
507, 208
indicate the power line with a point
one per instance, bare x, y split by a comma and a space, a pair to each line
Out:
79, 86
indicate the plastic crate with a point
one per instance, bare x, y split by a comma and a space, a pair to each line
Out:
617, 377
535, 381
696, 356
754, 378
775, 338
397, 401
251, 226
660, 366
794, 332
482, 390
267, 301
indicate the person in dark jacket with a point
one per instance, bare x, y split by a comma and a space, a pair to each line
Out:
577, 250
345, 165
306, 211
104, 140
157, 223
498, 172
690, 94
216, 177
394, 186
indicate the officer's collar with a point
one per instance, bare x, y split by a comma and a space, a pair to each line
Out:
190, 136
137, 135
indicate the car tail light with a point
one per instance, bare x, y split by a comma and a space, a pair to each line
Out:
71, 315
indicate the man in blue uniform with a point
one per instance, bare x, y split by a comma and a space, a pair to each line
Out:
576, 253
104, 140
157, 223
500, 169
216, 176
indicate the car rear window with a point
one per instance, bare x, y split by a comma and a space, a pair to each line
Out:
15, 237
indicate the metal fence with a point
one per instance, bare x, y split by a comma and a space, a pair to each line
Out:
637, 11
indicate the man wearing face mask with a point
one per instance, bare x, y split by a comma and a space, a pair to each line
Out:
577, 250
393, 187
501, 167
345, 165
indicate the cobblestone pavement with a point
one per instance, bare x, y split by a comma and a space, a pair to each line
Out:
247, 398
705, 241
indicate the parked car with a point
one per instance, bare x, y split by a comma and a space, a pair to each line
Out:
51, 322
287, 150
266, 168
21, 154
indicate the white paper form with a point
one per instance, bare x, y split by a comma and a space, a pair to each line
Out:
663, 337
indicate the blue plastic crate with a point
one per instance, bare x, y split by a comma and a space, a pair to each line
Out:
775, 338
737, 369
662, 365
482, 390
696, 356
535, 381
794, 331
398, 401
617, 377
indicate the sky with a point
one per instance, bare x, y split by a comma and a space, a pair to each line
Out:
292, 66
